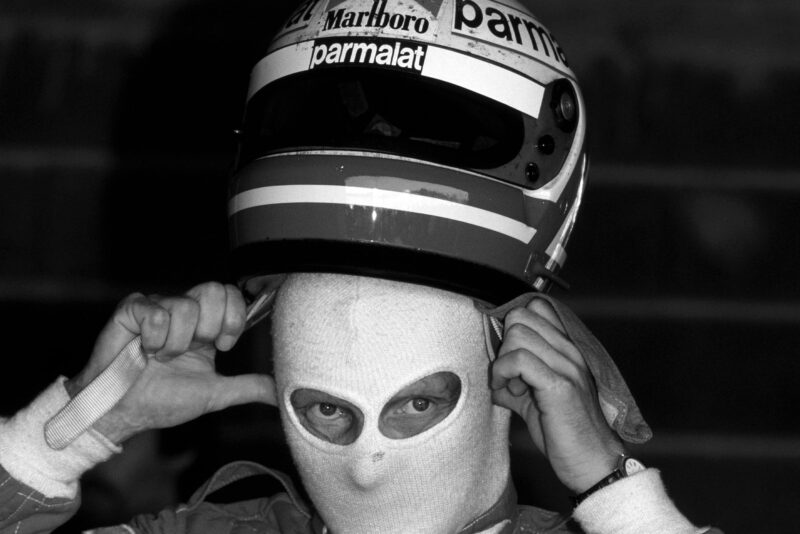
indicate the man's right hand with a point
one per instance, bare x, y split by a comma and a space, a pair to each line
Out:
181, 336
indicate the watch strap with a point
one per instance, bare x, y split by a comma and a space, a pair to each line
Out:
623, 470
607, 481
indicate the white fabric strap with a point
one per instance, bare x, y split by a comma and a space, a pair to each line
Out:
29, 459
96, 399
108, 388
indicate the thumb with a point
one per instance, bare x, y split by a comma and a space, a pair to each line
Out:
504, 398
243, 389
524, 407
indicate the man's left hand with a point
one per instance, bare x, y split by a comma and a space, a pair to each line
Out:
541, 375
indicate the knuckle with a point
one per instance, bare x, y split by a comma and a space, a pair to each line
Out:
212, 291
539, 307
158, 316
233, 322
518, 357
516, 331
130, 300
574, 372
136, 295
562, 385
516, 315
232, 289
186, 308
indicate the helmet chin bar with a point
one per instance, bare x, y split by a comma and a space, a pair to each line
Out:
368, 259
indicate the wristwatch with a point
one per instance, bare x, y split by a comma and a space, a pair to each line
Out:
626, 466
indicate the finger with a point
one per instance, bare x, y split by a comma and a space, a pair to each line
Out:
154, 322
533, 320
233, 323
521, 337
525, 408
184, 313
546, 310
212, 300
135, 315
517, 387
243, 389
527, 367
504, 397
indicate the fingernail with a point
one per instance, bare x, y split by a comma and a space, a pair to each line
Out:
225, 342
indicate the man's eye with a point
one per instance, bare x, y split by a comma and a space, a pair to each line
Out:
327, 417
420, 405
328, 411
417, 405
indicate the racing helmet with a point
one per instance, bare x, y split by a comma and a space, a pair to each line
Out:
433, 141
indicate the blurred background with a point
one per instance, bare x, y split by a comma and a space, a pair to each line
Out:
116, 121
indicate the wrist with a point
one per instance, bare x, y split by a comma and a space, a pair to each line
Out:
625, 466
72, 388
116, 427
635, 504
27, 457
592, 470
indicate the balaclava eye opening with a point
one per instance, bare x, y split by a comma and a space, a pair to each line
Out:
363, 340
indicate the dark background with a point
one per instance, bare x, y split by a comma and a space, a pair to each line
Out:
115, 144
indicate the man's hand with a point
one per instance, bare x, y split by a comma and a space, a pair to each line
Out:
181, 336
541, 375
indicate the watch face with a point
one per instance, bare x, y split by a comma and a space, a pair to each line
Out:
632, 465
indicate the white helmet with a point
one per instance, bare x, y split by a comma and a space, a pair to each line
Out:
434, 141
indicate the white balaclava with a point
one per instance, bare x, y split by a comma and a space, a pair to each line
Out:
363, 340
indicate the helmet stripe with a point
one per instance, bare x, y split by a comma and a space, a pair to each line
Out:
379, 198
279, 64
477, 75
490, 80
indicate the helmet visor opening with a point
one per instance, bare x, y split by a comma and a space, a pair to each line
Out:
377, 110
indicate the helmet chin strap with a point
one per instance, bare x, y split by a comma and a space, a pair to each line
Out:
107, 388
540, 271
492, 335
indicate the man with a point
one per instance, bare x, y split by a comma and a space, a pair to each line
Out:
391, 432
415, 164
